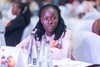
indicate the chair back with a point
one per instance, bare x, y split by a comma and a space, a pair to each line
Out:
27, 31
87, 46
84, 25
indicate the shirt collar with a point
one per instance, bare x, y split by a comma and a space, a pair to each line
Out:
50, 38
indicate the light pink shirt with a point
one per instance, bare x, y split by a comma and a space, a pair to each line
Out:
65, 52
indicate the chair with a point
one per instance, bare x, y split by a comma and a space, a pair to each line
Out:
91, 16
34, 20
84, 25
27, 31
63, 11
30, 27
87, 46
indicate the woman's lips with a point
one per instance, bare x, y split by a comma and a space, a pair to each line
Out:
50, 27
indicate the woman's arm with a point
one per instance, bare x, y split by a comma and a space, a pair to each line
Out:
67, 48
72, 54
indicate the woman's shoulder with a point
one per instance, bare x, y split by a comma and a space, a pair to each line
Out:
67, 34
20, 17
68, 30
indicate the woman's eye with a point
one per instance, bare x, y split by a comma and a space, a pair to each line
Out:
53, 18
45, 18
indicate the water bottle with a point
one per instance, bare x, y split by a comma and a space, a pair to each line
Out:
33, 57
45, 54
2, 39
41, 53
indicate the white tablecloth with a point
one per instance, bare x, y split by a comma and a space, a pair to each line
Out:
67, 63
70, 63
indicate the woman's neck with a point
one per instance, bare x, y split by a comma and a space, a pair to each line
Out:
49, 34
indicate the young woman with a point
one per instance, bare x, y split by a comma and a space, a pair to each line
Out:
15, 27
53, 27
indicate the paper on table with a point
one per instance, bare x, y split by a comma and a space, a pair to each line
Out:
11, 55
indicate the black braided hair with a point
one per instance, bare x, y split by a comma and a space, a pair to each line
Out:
60, 28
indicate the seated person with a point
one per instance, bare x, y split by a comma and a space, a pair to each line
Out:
15, 27
53, 27
33, 6
96, 27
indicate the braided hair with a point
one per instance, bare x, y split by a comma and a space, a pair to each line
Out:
61, 27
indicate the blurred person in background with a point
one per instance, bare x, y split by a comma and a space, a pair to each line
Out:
5, 6
89, 6
33, 6
96, 27
15, 27
10, 15
75, 4
82, 8
97, 5
77, 9
47, 1
63, 2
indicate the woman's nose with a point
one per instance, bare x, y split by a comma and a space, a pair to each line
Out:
50, 21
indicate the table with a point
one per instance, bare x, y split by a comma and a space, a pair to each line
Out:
70, 63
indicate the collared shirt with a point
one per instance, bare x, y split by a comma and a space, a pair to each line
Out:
57, 53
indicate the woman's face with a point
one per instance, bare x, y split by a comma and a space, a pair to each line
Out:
49, 19
15, 9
